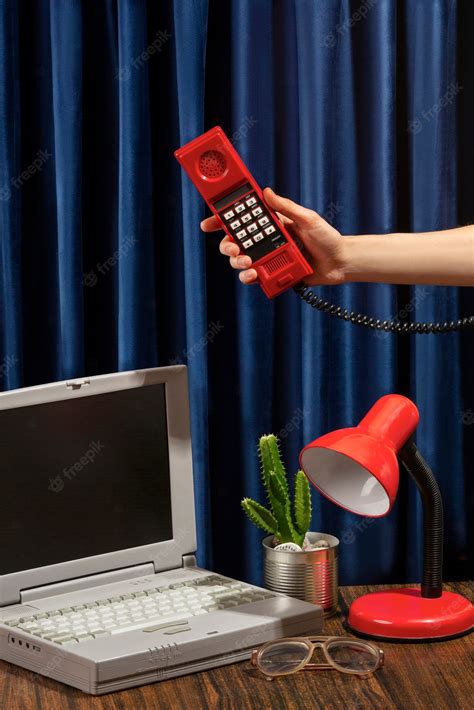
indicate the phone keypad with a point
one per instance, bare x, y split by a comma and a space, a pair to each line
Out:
255, 230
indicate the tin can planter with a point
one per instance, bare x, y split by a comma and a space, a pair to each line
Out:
308, 575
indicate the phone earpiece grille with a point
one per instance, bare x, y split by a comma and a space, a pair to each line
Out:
212, 164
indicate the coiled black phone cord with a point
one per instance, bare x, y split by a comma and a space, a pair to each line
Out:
389, 326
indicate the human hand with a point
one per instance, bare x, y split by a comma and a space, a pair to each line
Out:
323, 245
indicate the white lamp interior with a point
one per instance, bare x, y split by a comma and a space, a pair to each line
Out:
345, 481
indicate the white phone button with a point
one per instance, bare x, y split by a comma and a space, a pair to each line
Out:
258, 237
251, 228
239, 208
246, 218
247, 244
235, 224
270, 229
250, 202
262, 221
257, 211
228, 215
241, 234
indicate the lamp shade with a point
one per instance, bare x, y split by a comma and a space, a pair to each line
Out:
357, 468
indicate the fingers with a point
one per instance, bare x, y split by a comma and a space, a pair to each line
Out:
211, 224
286, 221
228, 248
288, 208
240, 262
248, 277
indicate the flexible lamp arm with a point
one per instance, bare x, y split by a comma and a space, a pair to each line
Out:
421, 473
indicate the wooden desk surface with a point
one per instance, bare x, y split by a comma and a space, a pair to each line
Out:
437, 675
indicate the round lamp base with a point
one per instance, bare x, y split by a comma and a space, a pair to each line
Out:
403, 614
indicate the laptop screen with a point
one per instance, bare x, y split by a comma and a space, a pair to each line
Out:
83, 477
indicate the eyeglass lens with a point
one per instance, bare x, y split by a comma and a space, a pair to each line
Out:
353, 656
283, 657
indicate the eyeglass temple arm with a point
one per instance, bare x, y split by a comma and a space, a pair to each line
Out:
413, 461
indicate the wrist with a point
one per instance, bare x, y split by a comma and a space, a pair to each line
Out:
346, 265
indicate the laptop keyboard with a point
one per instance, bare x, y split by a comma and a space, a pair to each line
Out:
148, 610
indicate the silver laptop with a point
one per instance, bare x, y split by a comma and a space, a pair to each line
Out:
99, 586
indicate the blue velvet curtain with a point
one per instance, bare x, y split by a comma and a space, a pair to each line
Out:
361, 110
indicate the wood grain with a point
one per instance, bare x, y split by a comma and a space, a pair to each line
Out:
438, 675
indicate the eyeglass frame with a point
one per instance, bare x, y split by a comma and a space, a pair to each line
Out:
314, 642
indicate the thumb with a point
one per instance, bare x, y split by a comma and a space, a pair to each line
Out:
300, 215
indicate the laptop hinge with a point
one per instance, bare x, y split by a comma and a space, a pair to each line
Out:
189, 561
94, 580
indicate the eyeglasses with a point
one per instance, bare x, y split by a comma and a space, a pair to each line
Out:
342, 653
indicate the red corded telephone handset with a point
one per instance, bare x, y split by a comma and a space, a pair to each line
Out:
233, 195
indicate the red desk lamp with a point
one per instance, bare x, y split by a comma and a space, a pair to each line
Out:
358, 469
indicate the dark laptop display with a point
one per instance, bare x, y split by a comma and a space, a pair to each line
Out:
83, 477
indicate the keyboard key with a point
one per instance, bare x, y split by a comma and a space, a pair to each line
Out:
140, 625
235, 224
247, 244
239, 208
270, 229
251, 228
61, 637
247, 217
263, 221
258, 237
251, 202
228, 215
257, 211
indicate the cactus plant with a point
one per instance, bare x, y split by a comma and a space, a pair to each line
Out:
287, 522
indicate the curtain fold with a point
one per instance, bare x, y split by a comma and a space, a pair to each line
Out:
190, 27
359, 110
10, 206
135, 289
66, 80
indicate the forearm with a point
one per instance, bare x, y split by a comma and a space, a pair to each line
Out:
438, 258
